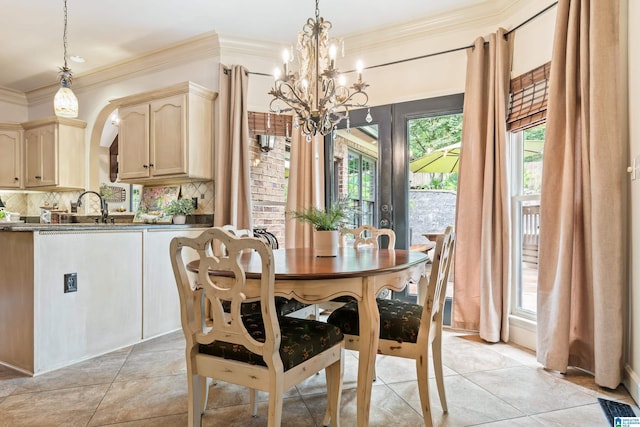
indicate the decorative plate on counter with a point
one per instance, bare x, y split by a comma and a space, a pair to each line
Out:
154, 199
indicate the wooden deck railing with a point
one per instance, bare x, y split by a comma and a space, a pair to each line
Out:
530, 233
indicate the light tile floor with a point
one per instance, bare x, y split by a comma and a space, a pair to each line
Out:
145, 385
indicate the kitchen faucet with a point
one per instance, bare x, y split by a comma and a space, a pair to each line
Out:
104, 209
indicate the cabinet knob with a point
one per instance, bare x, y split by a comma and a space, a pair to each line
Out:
145, 166
150, 165
16, 179
38, 177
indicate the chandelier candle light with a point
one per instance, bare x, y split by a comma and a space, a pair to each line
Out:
317, 93
65, 102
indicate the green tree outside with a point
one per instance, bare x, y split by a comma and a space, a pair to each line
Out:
428, 134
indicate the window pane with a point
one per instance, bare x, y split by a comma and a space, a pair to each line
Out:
529, 145
361, 188
353, 177
532, 160
530, 227
368, 180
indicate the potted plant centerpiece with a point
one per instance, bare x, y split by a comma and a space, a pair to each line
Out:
179, 209
326, 226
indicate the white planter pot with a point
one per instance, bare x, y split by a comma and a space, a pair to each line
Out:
325, 243
179, 219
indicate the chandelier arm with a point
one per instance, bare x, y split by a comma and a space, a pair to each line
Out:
358, 104
291, 101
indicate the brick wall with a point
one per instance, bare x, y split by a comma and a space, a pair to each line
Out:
268, 187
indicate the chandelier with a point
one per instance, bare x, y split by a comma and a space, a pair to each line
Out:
65, 102
317, 93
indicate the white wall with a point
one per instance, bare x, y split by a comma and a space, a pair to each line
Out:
13, 107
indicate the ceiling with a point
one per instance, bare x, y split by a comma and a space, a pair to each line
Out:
109, 32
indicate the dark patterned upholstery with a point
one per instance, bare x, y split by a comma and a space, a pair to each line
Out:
399, 321
283, 306
301, 340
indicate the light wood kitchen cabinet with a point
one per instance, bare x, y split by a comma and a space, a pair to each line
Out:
54, 154
10, 156
166, 135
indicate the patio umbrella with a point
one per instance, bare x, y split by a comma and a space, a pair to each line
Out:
532, 148
446, 159
442, 160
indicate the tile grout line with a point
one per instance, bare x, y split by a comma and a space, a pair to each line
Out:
111, 384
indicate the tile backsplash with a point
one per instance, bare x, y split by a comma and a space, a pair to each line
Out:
29, 204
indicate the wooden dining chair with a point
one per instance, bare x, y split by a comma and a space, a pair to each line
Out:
367, 235
363, 236
284, 306
410, 330
260, 351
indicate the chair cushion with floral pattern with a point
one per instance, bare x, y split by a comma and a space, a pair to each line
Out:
301, 340
399, 320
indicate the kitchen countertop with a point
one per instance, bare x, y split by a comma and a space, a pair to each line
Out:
85, 226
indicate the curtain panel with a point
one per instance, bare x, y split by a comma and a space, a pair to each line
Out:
482, 270
583, 218
232, 183
305, 187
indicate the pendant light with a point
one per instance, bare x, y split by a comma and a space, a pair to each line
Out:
65, 102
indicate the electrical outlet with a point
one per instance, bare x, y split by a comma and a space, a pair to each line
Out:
70, 282
202, 196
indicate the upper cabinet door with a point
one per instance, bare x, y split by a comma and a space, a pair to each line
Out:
10, 164
49, 153
133, 142
41, 154
169, 136
166, 135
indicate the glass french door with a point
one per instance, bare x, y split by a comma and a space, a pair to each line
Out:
389, 208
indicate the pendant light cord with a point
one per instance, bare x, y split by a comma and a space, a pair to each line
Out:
64, 34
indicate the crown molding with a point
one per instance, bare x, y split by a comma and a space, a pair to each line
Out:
230, 45
481, 14
194, 49
15, 97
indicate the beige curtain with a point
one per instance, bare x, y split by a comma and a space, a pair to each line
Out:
583, 244
233, 162
306, 186
481, 279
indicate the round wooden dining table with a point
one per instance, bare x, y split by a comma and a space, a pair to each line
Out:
361, 273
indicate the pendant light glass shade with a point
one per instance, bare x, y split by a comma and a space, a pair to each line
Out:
65, 103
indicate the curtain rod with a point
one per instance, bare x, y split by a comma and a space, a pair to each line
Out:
428, 55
